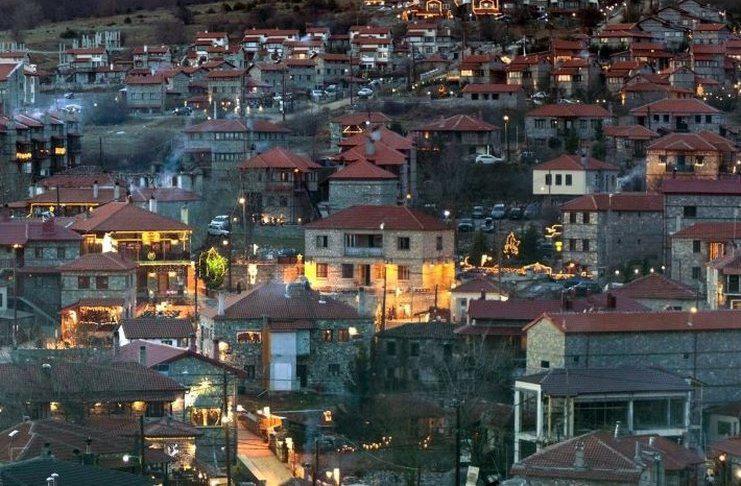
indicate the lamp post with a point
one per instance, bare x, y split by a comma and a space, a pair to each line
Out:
243, 202
506, 134
227, 247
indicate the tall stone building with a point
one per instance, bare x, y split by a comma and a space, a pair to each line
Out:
696, 246
362, 183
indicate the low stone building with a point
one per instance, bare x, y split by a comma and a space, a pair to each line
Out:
658, 292
703, 345
594, 236
493, 95
558, 121
625, 144
360, 183
681, 115
474, 289
472, 134
145, 94
692, 248
286, 338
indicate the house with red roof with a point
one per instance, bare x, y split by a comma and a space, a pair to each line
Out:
658, 292
573, 175
557, 121
355, 123
594, 236
559, 340
225, 88
352, 249
360, 183
11, 86
475, 289
427, 10
154, 58
495, 95
472, 134
626, 143
679, 115
279, 184
572, 77
531, 71
694, 247
77, 66
146, 94
710, 33
697, 155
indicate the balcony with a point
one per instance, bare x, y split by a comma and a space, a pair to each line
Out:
360, 252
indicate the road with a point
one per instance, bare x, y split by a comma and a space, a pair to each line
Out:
253, 452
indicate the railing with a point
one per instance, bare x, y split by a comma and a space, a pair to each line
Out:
363, 252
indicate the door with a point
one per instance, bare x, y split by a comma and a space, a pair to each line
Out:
365, 275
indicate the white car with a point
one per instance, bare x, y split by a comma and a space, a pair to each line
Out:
71, 108
365, 92
566, 101
317, 93
488, 159
539, 97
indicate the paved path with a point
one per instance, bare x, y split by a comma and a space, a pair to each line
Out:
260, 460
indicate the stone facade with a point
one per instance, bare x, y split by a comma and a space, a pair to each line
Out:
543, 128
695, 164
145, 97
683, 210
118, 285
689, 259
346, 193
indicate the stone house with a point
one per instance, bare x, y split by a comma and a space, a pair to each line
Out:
11, 86
621, 35
680, 115
664, 32
594, 236
411, 356
658, 292
493, 95
351, 124
573, 77
371, 45
279, 185
700, 10
168, 331
709, 61
702, 345
481, 69
272, 74
472, 134
422, 37
286, 338
77, 66
700, 155
474, 289
220, 145
626, 143
710, 33
724, 281
532, 72
332, 68
557, 121
302, 74
154, 58
677, 17
573, 175
145, 94
693, 247
96, 288
618, 73
393, 250
362, 183
226, 89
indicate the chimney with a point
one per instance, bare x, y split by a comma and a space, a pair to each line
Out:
215, 351
220, 304
116, 191
143, 355
483, 295
142, 181
370, 148
651, 441
146, 48
153, 204
47, 227
611, 301
579, 463
184, 214
566, 303
96, 190
88, 448
617, 432
31, 190
192, 342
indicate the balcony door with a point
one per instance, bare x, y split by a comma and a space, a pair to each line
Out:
365, 275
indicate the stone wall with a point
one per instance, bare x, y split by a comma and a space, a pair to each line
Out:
120, 286
344, 194
545, 343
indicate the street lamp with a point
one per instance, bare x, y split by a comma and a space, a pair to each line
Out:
243, 202
227, 247
506, 134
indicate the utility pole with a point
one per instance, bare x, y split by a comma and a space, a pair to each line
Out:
283, 88
15, 294
315, 468
351, 78
457, 444
142, 448
225, 421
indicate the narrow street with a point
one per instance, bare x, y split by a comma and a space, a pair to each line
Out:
253, 452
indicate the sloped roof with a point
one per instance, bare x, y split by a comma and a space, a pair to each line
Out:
22, 231
123, 216
162, 354
278, 158
476, 285
163, 194
656, 286
388, 137
697, 141
689, 106
731, 186
371, 217
574, 162
631, 132
35, 471
362, 170
234, 125
421, 330
491, 88
518, 309
360, 118
458, 123
622, 201
157, 328
99, 262
729, 264
379, 154
711, 231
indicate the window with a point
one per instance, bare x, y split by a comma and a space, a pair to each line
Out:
696, 273
347, 270
734, 284
545, 364
539, 123
402, 243
689, 211
572, 218
327, 335
343, 335
333, 369
249, 370
585, 244
38, 252
576, 359
572, 244
666, 118
724, 428
698, 118
559, 179
403, 272
414, 348
61, 253
101, 283
391, 348
568, 179
696, 246
83, 282
548, 179
585, 218
249, 337
708, 118
322, 241
447, 350
439, 243
321, 270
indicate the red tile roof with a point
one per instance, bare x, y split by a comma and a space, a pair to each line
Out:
381, 154
157, 328
70, 195
711, 27
729, 264
631, 132
99, 262
476, 285
699, 141
731, 446
95, 302
574, 162
233, 125
7, 69
360, 118
22, 231
731, 186
138, 50
570, 111
123, 216
711, 231
149, 79
372, 217
388, 137
225, 73
491, 88
622, 201
78, 180
666, 321
362, 170
656, 286
278, 158
689, 106
458, 123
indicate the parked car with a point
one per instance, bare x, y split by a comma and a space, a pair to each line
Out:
316, 94
478, 212
487, 226
365, 92
69, 95
585, 287
465, 225
488, 159
516, 213
532, 211
330, 90
568, 101
182, 110
499, 211
220, 226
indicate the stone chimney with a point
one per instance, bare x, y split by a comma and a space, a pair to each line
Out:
370, 148
618, 431
47, 227
153, 204
96, 190
220, 304
579, 462
143, 355
116, 191
142, 181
